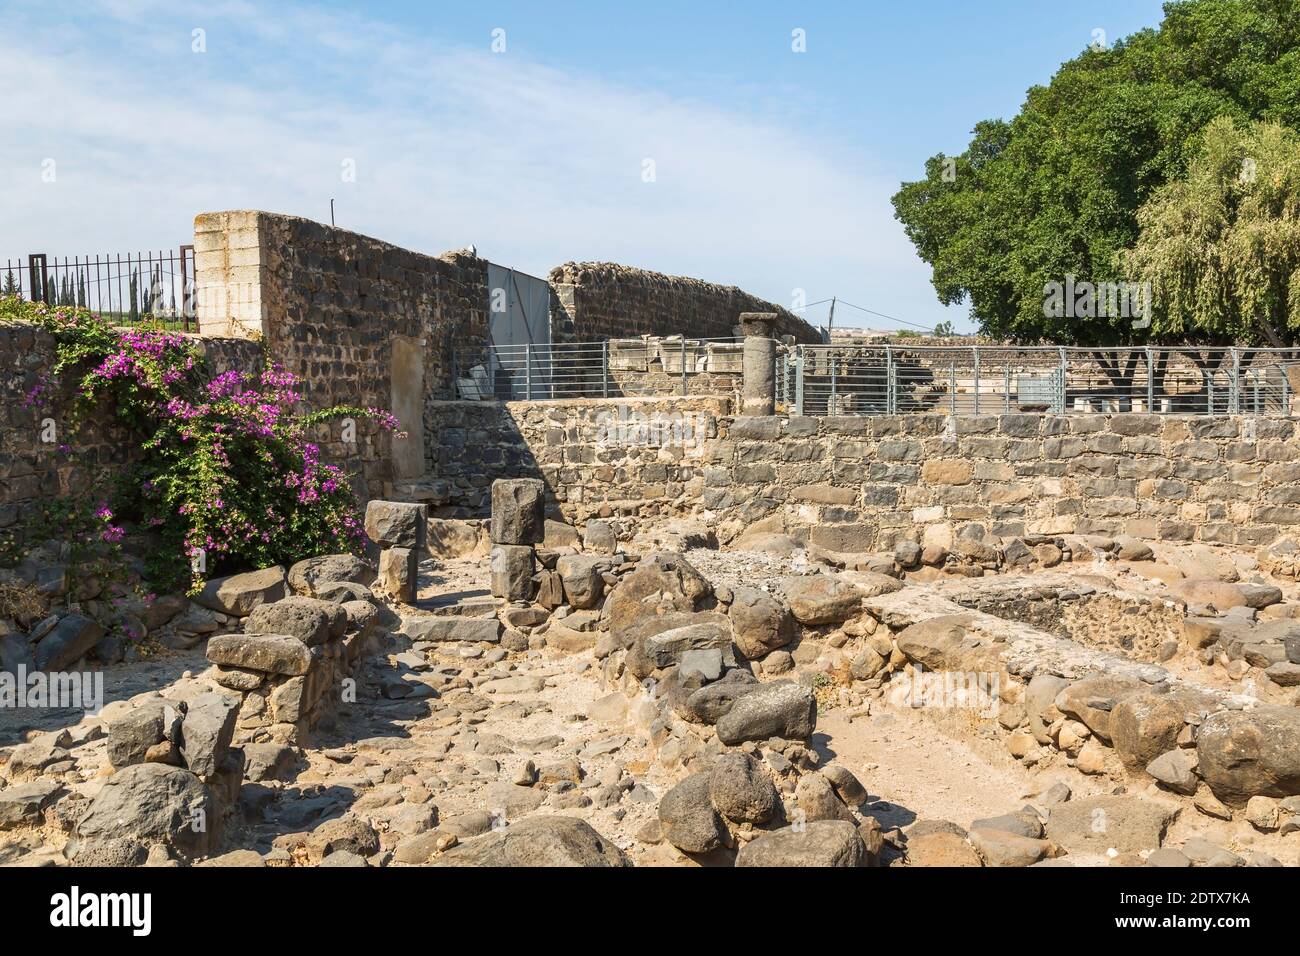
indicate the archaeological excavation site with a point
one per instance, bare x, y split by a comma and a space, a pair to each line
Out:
470, 568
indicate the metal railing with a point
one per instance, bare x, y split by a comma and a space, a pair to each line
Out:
972, 380
126, 289
612, 368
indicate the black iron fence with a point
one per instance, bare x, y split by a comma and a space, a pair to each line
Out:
126, 289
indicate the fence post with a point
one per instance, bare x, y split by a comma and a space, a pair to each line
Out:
952, 387
604, 368
1151, 382
1061, 390
684, 388
891, 383
528, 369
1006, 386
1234, 385
830, 405
976, 353
798, 379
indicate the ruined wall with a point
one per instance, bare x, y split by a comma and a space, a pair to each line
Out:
32, 470
598, 300
361, 321
864, 483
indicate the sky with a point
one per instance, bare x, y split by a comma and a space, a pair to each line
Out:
691, 138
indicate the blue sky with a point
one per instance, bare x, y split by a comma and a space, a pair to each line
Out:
772, 169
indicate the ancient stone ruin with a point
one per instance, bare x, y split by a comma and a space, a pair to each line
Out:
686, 628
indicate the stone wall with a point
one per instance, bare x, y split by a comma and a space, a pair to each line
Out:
599, 300
363, 322
33, 470
864, 483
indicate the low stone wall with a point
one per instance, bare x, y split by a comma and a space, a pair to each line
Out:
599, 300
859, 484
41, 457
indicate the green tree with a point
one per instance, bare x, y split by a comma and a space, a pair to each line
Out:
11, 285
1055, 192
1221, 248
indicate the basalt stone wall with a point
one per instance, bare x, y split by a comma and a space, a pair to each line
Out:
34, 470
362, 322
864, 483
597, 456
599, 300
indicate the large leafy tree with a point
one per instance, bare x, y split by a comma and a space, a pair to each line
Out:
1056, 191
1221, 248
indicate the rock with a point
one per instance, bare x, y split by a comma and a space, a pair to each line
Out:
759, 622
1284, 674
581, 576
1204, 853
268, 761
16, 652
1133, 549
558, 534
269, 653
146, 804
540, 841
23, 804
1144, 725
1022, 823
310, 620
687, 817
518, 511
512, 571
238, 594
818, 800
397, 524
453, 538
1250, 753
1176, 769
67, 642
941, 849
709, 703
846, 785
163, 609
207, 730
907, 554
661, 582
449, 628
399, 573
947, 643
1167, 857
1091, 701
822, 599
741, 790
236, 858
131, 735
663, 649
309, 576
705, 663
830, 843
1097, 824
1006, 849
1263, 813
1222, 595
1040, 704
599, 537
778, 709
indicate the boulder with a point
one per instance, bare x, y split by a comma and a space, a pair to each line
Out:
397, 524
846, 785
1097, 824
147, 804
1146, 724
1005, 849
662, 582
307, 577
518, 511
269, 653
239, 594
310, 620
580, 574
1040, 704
707, 704
131, 735
23, 804
820, 843
399, 573
822, 599
779, 709
947, 643
687, 817
759, 622
1247, 753
207, 730
818, 800
558, 534
940, 848
741, 790
665, 648
1093, 700
599, 537
540, 841
1176, 770
512, 567
69, 640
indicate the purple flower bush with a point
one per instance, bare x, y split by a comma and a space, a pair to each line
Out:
228, 478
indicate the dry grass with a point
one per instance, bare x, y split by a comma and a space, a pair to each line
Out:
22, 603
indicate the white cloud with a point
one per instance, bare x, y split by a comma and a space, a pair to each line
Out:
453, 145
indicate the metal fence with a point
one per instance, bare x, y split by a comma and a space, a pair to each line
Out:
126, 289
889, 380
608, 369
